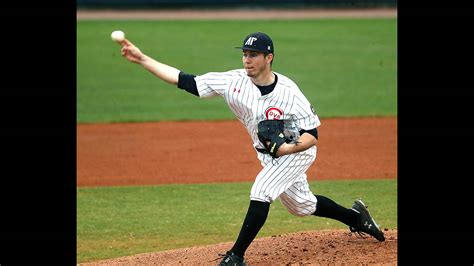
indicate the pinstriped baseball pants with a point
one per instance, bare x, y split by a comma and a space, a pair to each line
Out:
285, 178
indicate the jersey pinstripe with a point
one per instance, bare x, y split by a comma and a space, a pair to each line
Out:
282, 177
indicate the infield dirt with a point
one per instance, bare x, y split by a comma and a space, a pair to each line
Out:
221, 151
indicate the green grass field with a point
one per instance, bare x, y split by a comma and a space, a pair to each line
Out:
345, 67
120, 221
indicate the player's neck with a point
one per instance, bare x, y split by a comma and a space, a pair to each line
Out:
265, 79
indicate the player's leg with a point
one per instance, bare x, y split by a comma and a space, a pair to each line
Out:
357, 218
269, 184
254, 220
298, 198
300, 201
328, 208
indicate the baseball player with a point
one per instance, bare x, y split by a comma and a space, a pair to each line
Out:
283, 126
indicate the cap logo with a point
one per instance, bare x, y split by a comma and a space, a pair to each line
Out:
250, 41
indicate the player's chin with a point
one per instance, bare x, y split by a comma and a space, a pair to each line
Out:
250, 72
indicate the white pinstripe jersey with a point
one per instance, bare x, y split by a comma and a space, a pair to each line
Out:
286, 102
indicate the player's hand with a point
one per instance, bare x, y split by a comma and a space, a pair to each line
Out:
131, 52
284, 149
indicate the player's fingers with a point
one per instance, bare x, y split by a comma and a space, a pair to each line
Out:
125, 42
124, 51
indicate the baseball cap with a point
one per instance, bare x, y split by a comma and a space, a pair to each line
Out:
259, 42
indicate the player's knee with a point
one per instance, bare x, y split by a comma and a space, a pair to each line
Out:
302, 211
299, 206
261, 196
295, 213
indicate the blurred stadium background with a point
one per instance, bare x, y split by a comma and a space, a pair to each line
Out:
234, 3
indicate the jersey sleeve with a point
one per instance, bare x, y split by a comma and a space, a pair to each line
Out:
213, 83
305, 113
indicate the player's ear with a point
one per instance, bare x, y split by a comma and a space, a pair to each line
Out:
269, 57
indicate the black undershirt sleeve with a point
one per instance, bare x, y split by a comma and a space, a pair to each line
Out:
186, 82
313, 132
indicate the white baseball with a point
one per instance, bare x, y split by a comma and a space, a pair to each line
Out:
118, 36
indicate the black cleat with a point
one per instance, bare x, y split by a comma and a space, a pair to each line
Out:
231, 259
366, 223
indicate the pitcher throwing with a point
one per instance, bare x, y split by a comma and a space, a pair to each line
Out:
283, 127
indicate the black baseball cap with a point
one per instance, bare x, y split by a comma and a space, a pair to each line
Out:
259, 42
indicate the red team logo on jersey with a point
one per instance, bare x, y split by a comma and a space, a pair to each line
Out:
273, 113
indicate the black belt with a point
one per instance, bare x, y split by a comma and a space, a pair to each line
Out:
262, 151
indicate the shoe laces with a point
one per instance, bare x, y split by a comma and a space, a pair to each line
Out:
359, 234
219, 256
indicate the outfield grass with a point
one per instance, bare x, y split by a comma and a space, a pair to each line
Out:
346, 67
120, 221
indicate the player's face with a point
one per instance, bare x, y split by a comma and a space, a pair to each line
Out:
255, 63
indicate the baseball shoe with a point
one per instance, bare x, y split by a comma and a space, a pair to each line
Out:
366, 223
231, 259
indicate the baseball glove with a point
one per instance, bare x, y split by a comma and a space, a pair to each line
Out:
271, 131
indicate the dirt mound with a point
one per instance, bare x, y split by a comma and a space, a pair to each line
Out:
313, 247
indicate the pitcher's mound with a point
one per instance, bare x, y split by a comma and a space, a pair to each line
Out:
314, 247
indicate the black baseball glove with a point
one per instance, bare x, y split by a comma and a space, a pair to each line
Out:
271, 131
